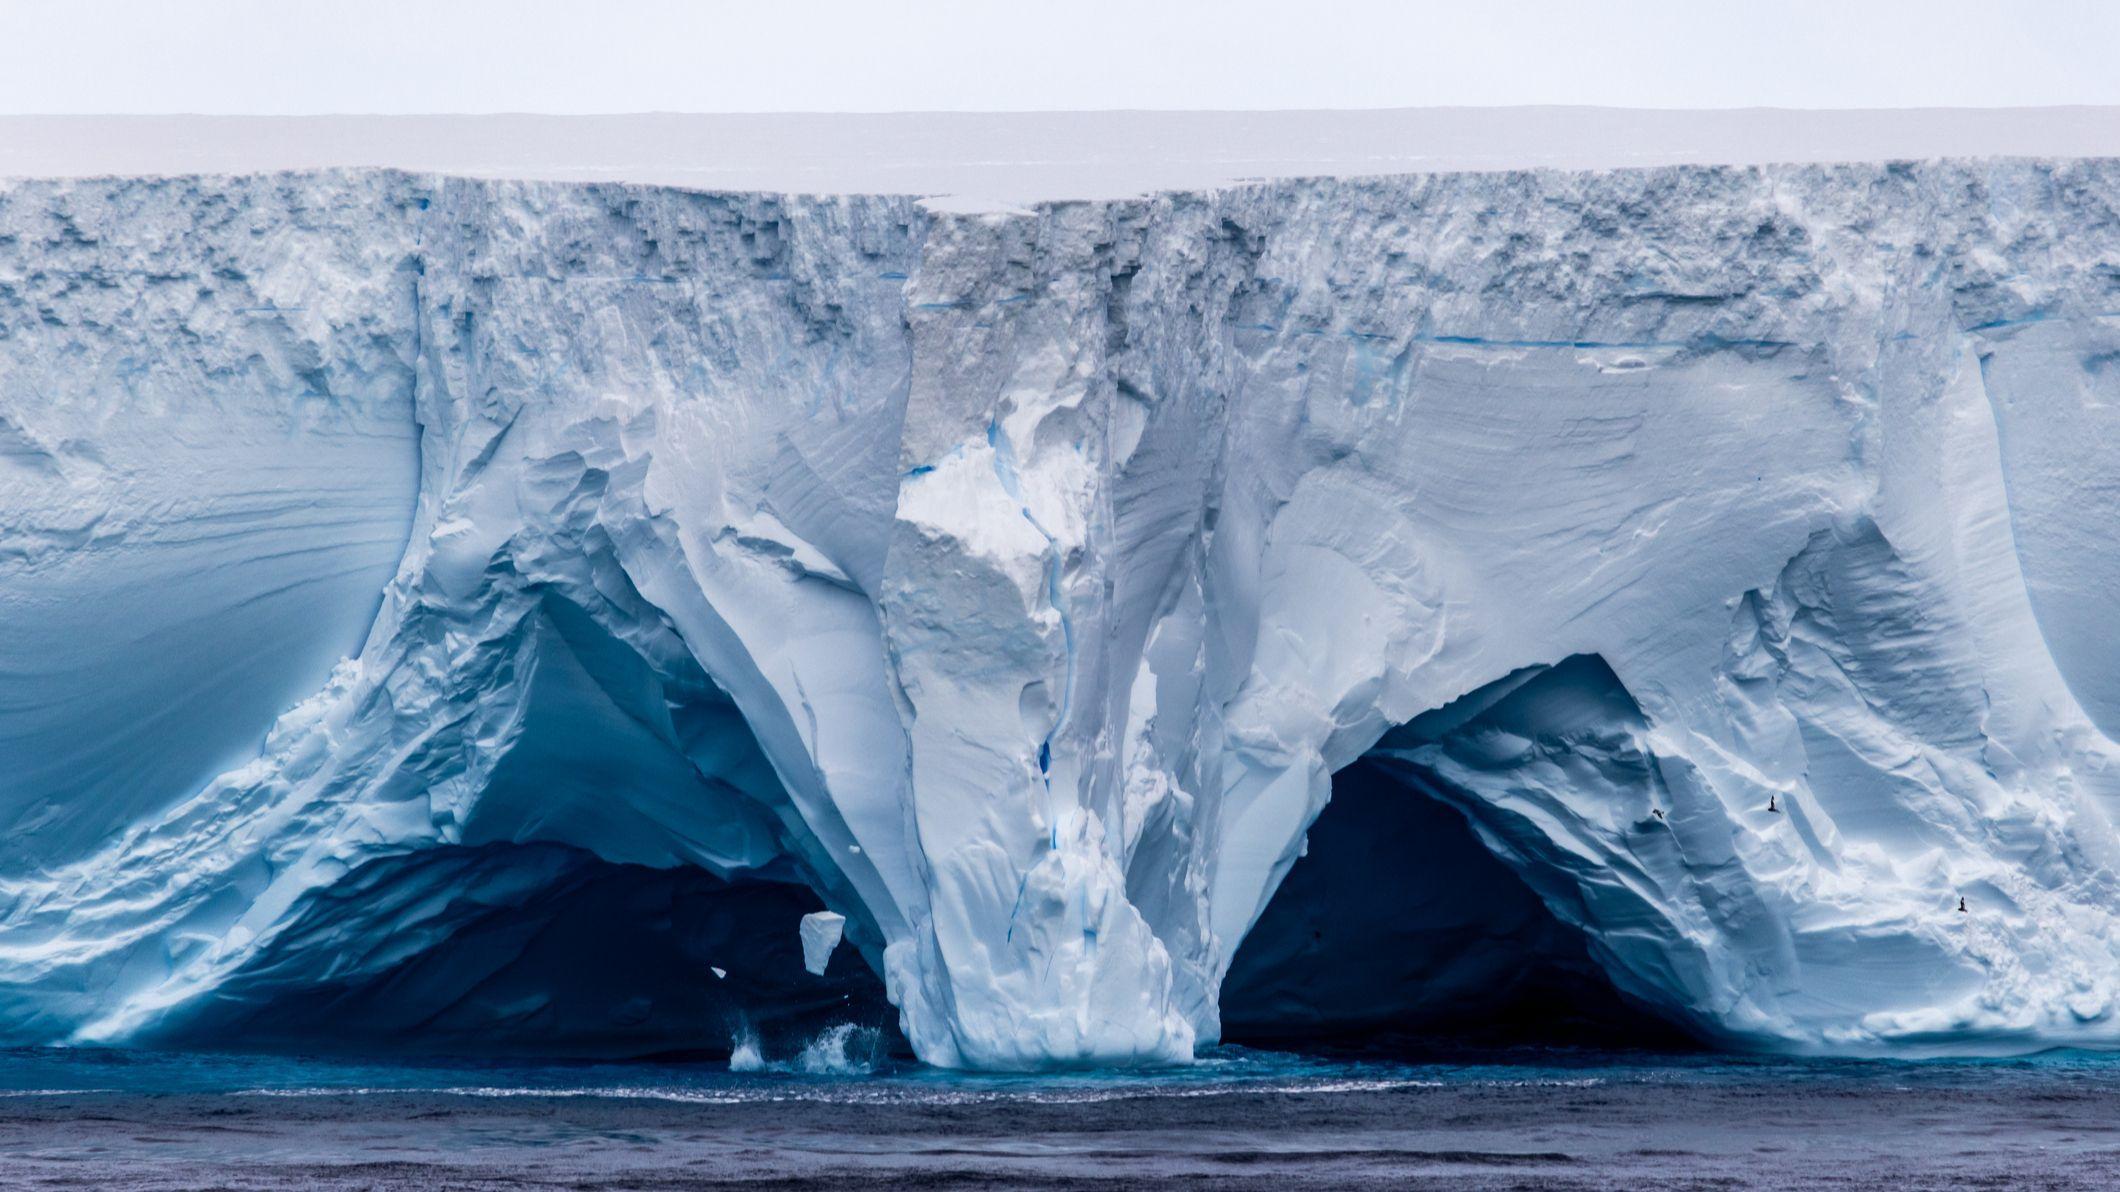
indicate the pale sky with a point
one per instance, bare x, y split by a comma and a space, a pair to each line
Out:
591, 56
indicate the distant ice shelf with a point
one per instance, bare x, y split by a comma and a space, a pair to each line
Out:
402, 575
969, 161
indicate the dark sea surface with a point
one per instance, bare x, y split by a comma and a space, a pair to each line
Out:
1239, 1118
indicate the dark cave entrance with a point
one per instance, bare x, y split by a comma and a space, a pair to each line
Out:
620, 888
1399, 930
540, 951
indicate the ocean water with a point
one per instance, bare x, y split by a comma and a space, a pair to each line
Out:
836, 1112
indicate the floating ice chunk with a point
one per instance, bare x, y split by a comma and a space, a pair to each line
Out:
820, 934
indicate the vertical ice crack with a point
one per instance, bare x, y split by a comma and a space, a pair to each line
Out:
1011, 483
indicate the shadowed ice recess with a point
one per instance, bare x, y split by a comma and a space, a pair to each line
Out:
460, 615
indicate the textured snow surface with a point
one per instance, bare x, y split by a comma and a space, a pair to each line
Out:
1018, 580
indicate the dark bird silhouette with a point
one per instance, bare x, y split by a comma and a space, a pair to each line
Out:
1772, 806
1658, 812
1961, 904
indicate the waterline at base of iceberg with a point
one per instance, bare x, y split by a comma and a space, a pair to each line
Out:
1237, 1118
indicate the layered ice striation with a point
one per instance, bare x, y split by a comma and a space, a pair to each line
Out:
400, 575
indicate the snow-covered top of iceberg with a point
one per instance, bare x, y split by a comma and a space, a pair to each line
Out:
1004, 158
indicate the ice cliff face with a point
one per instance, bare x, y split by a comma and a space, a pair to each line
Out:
1018, 580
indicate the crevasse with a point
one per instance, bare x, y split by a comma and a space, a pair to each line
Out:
1017, 580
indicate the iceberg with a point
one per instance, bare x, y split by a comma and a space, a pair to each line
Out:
391, 560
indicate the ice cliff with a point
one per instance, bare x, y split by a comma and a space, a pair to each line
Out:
379, 551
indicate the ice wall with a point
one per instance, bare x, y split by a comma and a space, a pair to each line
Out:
1017, 579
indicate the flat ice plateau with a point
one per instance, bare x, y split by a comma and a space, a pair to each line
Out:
985, 159
1011, 553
